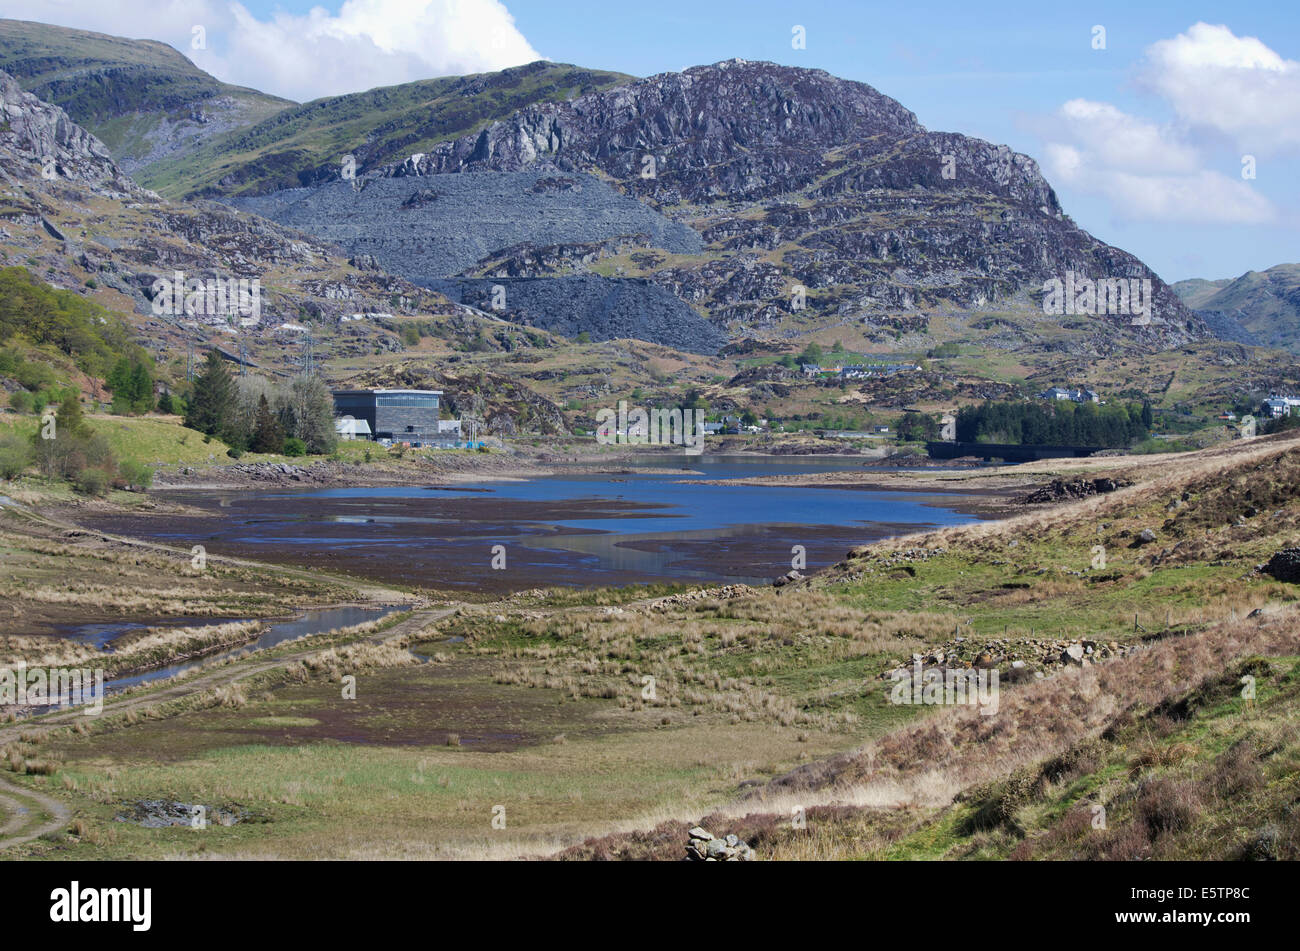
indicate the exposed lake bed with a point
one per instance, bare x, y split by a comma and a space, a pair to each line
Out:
570, 529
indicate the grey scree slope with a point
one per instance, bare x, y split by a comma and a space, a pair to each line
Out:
435, 226
429, 228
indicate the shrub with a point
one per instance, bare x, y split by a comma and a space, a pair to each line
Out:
20, 402
15, 456
293, 446
1167, 805
135, 473
91, 481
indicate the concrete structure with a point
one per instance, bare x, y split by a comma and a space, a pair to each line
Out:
409, 416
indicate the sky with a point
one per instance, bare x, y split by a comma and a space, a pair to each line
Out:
1168, 129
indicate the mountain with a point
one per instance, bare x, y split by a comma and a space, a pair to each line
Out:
790, 178
71, 215
304, 145
1265, 303
142, 98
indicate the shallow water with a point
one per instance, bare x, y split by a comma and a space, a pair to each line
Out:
311, 622
576, 530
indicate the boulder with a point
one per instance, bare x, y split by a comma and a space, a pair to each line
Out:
703, 846
1284, 565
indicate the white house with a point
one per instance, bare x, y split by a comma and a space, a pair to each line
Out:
1277, 405
348, 428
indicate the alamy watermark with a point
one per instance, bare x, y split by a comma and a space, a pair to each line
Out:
945, 687
229, 298
1077, 294
652, 427
23, 686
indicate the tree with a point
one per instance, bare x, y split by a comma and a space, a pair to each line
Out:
212, 404
267, 435
813, 354
131, 383
15, 456
307, 413
69, 420
68, 448
916, 427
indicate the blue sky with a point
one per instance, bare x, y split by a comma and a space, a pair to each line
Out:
1144, 139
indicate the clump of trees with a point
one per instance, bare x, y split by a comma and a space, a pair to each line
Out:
91, 336
65, 447
251, 413
131, 383
1055, 423
917, 427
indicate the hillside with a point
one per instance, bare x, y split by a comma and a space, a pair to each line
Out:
790, 178
304, 145
142, 98
71, 216
1265, 303
1123, 727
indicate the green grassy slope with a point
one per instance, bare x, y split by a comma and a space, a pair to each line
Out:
377, 127
120, 89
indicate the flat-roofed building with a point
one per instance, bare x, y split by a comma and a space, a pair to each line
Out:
400, 415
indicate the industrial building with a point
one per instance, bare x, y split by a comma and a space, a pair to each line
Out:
409, 416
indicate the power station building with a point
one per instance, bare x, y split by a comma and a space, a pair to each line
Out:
400, 415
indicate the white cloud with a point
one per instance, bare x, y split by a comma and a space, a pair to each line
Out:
1235, 85
367, 43
1229, 96
1126, 141
1144, 170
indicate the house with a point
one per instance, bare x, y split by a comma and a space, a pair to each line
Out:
1277, 406
857, 371
346, 427
1074, 396
409, 416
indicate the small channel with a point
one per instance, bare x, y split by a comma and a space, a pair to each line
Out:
311, 622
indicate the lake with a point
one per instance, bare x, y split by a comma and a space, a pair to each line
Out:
577, 529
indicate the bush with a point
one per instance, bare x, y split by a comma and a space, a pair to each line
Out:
15, 456
91, 481
293, 446
1167, 805
135, 473
20, 402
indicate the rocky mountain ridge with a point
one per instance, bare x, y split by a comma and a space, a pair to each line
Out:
795, 179
1265, 304
70, 214
145, 100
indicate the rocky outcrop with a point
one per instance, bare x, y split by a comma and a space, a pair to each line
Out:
1284, 565
1064, 490
427, 230
36, 132
877, 215
702, 846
